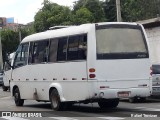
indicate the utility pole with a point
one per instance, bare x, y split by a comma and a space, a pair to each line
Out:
1, 58
19, 30
118, 6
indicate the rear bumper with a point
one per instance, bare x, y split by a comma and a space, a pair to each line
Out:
155, 91
132, 92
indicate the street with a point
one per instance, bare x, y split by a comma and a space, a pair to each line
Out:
125, 110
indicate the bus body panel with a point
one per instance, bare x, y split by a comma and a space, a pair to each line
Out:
123, 69
130, 75
70, 77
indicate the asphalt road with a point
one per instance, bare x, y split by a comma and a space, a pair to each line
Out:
150, 110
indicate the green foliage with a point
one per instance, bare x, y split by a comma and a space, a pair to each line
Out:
50, 15
10, 41
82, 15
132, 10
135, 10
94, 6
85, 11
110, 10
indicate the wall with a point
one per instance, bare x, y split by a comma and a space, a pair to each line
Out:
153, 35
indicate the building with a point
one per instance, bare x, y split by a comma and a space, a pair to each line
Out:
8, 23
152, 27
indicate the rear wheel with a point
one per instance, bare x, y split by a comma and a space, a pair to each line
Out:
137, 99
110, 103
56, 104
133, 100
142, 99
17, 98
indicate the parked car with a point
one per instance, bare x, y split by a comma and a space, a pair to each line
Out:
156, 80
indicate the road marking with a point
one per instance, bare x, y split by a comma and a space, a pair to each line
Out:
148, 109
100, 116
14, 118
111, 118
63, 118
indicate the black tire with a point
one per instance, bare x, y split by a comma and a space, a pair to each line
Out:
56, 103
110, 103
133, 100
68, 105
4, 88
142, 99
17, 98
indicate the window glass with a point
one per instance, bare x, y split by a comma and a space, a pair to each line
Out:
7, 66
62, 49
82, 51
69, 48
21, 56
73, 43
39, 51
77, 47
120, 42
53, 50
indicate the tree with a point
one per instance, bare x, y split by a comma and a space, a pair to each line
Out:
10, 41
94, 6
83, 15
84, 11
50, 15
110, 10
132, 10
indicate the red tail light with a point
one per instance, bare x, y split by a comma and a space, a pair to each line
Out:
92, 75
92, 70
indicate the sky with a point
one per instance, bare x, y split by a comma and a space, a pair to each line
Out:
24, 11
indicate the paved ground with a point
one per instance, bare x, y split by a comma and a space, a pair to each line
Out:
149, 110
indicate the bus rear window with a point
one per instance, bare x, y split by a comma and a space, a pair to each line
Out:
120, 42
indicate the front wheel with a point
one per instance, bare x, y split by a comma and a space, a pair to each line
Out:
17, 98
110, 103
56, 104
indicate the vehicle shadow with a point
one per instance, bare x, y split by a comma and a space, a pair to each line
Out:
81, 110
148, 100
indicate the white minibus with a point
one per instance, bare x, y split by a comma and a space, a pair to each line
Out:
98, 62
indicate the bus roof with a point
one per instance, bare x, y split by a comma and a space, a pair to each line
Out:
71, 30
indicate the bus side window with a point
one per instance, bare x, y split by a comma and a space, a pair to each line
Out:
53, 50
21, 56
82, 52
62, 49
72, 53
30, 52
77, 47
39, 52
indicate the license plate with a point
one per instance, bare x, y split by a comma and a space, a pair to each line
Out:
123, 94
